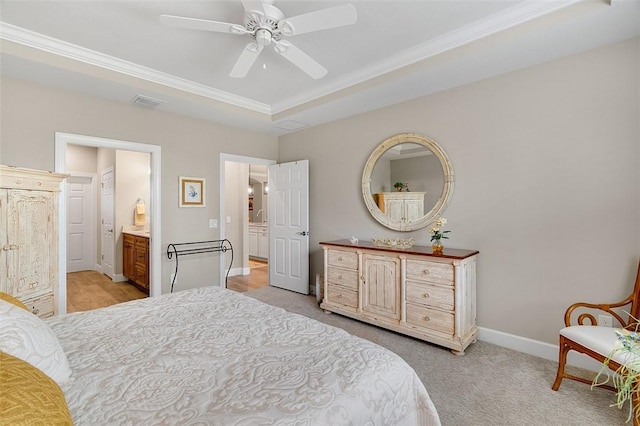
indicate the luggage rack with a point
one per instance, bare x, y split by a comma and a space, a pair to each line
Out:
198, 247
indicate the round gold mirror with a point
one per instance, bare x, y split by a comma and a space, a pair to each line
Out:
407, 182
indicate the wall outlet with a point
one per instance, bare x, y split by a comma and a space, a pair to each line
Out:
228, 219
213, 223
605, 320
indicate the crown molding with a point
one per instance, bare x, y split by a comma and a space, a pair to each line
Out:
54, 46
518, 14
495, 23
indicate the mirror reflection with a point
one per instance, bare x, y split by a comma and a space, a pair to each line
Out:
407, 182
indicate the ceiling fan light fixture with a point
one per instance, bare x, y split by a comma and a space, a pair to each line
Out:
263, 37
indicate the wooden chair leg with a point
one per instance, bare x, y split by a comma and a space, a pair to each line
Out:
562, 360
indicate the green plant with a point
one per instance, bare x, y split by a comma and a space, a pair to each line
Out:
436, 231
399, 185
626, 379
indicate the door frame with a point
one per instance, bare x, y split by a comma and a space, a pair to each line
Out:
112, 269
61, 142
94, 208
235, 159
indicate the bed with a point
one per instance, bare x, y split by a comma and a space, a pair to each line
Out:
216, 357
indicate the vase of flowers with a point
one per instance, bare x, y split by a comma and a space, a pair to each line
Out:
437, 235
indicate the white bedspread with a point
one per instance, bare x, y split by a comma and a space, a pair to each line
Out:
214, 357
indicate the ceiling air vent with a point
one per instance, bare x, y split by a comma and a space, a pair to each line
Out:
290, 125
147, 102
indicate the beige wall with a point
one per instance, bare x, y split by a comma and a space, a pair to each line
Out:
189, 148
82, 159
547, 182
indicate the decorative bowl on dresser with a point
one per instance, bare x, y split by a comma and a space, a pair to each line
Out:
411, 291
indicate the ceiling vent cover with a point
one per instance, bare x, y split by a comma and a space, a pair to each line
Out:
147, 102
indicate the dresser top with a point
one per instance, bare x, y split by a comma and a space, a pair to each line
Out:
448, 253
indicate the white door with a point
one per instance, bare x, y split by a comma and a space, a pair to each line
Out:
80, 224
289, 226
108, 243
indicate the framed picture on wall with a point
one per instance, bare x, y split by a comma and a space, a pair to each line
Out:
191, 191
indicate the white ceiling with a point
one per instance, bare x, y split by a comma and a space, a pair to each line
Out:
397, 50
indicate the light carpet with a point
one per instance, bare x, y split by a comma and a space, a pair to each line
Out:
489, 385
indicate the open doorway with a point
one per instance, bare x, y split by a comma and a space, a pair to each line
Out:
63, 142
244, 212
105, 189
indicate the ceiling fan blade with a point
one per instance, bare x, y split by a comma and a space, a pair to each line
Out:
201, 24
320, 20
246, 60
300, 59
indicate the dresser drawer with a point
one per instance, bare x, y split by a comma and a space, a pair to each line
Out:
42, 306
343, 259
344, 277
430, 295
432, 319
430, 272
342, 296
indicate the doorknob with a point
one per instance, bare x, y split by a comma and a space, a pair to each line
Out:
303, 233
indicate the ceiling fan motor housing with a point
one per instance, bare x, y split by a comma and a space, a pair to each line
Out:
263, 26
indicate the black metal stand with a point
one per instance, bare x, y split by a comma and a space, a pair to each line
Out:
198, 247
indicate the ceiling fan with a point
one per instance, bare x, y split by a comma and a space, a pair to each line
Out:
266, 25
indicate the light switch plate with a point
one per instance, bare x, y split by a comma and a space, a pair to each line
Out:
213, 223
228, 219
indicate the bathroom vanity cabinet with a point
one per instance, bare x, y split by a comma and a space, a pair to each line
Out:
135, 265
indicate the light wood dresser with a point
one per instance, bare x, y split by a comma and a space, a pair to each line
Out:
410, 291
29, 237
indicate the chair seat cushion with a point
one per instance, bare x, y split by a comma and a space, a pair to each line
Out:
602, 340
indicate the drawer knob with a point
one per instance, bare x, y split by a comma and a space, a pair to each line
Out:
426, 295
340, 258
427, 319
339, 296
339, 277
35, 311
426, 272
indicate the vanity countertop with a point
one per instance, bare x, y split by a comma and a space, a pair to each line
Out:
258, 224
138, 231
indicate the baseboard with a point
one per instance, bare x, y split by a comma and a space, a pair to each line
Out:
536, 348
98, 268
118, 278
239, 271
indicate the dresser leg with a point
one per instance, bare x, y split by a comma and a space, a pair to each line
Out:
458, 353
327, 312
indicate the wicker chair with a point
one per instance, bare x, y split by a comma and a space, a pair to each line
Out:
597, 341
